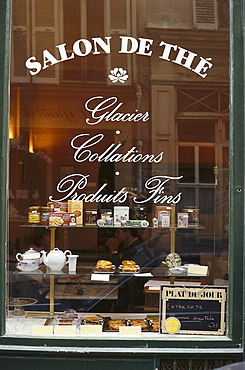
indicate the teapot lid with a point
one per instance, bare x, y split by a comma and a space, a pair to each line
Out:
56, 250
31, 253
31, 250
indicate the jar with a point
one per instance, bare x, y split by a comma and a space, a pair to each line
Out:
106, 216
34, 215
90, 217
140, 213
44, 216
193, 214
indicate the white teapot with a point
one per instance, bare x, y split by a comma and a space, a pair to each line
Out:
31, 254
56, 259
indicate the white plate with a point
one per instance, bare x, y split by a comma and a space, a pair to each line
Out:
27, 269
113, 269
129, 272
177, 270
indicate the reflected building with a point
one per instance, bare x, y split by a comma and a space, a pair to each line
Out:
169, 113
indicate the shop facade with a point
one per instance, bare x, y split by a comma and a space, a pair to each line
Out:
122, 145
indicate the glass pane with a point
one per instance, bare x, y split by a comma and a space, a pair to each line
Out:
207, 163
193, 130
119, 142
187, 163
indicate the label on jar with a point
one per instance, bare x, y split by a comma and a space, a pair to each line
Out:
34, 217
90, 217
45, 218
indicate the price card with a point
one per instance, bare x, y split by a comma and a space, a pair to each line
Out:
91, 329
197, 270
65, 329
100, 277
130, 330
41, 330
144, 274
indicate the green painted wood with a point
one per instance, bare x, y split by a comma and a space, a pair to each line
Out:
236, 268
4, 94
79, 363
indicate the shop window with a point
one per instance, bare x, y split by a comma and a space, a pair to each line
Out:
109, 173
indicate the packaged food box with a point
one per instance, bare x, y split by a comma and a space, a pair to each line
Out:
163, 216
58, 206
121, 215
76, 206
182, 219
62, 219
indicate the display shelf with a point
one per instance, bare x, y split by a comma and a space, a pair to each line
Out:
190, 227
87, 270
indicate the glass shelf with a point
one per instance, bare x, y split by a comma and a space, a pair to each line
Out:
191, 227
87, 270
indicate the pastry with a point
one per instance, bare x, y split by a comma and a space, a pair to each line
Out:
155, 325
65, 322
128, 263
129, 266
139, 322
92, 321
103, 265
114, 324
129, 269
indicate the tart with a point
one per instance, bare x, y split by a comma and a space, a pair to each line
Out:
139, 322
155, 325
114, 324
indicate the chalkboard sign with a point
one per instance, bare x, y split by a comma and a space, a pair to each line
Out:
200, 310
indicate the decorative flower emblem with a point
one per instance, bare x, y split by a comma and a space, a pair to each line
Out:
118, 74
